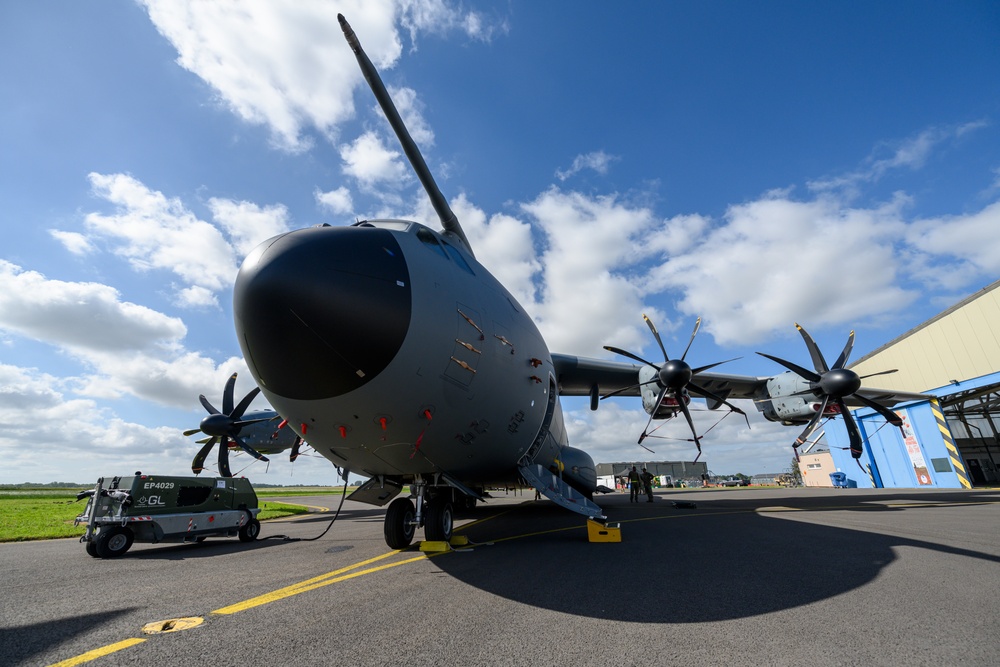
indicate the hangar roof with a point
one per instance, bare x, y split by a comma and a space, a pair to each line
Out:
961, 343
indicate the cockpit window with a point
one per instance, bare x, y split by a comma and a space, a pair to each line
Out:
427, 237
457, 256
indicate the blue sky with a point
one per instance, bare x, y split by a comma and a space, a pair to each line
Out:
835, 164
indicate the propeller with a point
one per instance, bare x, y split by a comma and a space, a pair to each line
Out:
834, 385
224, 426
674, 377
295, 447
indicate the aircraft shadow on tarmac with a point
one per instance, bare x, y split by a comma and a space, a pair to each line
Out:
21, 643
720, 561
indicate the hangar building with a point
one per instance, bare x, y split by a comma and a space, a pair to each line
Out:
951, 440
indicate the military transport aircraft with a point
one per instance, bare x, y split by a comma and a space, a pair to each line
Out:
398, 356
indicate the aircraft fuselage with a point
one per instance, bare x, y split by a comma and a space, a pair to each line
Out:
393, 352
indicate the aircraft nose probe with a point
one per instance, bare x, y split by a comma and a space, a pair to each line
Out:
448, 219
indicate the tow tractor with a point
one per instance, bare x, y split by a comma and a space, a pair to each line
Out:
148, 508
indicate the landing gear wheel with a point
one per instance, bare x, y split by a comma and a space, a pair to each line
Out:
92, 549
250, 530
113, 542
439, 520
399, 526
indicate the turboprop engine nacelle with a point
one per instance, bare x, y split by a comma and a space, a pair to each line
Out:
666, 409
784, 403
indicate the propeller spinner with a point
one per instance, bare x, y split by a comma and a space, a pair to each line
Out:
674, 377
834, 385
224, 426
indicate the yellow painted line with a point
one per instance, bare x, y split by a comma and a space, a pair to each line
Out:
98, 653
317, 582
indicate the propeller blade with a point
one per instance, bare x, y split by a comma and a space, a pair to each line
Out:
618, 350
659, 400
888, 372
191, 432
817, 357
718, 363
808, 375
811, 426
842, 359
224, 470
687, 416
245, 422
250, 450
198, 463
227, 396
889, 415
697, 325
705, 392
857, 445
629, 388
245, 403
208, 406
295, 449
656, 335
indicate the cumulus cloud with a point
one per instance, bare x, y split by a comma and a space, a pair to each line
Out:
371, 163
76, 243
283, 64
35, 412
337, 201
80, 316
247, 224
153, 231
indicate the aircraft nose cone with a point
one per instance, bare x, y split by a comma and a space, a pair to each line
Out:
321, 311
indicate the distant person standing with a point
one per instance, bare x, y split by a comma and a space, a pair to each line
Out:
634, 481
647, 484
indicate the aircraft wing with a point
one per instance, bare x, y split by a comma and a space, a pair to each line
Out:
577, 375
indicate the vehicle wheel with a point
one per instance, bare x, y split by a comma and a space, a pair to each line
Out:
92, 549
250, 530
439, 520
399, 526
113, 542
201, 538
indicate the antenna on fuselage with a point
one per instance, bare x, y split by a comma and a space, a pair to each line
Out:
447, 216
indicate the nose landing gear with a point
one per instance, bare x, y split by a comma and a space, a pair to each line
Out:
433, 510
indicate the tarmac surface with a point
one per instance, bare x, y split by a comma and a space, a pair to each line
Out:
766, 576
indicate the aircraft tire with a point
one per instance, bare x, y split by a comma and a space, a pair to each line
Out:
439, 521
113, 542
250, 530
399, 526
92, 549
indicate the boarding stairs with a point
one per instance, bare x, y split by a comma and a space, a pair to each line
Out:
558, 491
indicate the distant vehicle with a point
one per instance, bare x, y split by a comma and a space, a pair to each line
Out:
734, 481
149, 508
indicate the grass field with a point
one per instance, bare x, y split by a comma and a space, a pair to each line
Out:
32, 513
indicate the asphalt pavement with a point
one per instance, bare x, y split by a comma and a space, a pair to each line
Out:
772, 577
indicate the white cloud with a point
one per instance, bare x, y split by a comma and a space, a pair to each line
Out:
285, 64
971, 239
247, 224
74, 434
369, 161
76, 243
154, 232
598, 161
80, 316
911, 153
281, 64
776, 261
336, 201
